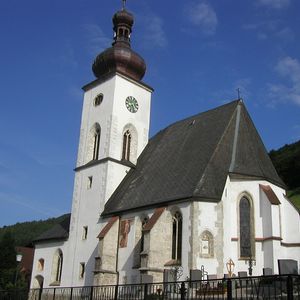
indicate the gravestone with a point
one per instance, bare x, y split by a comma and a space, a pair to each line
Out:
196, 275
169, 275
267, 271
242, 274
287, 266
145, 278
243, 282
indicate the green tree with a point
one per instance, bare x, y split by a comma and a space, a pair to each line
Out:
8, 252
7, 260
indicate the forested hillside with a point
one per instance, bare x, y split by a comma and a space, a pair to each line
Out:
287, 163
24, 233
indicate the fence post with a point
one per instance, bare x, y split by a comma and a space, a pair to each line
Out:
91, 293
182, 291
54, 293
229, 289
116, 291
71, 293
145, 291
289, 287
40, 293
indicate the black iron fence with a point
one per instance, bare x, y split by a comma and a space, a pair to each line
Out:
14, 294
263, 287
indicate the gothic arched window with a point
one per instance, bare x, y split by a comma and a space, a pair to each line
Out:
126, 145
245, 228
207, 244
93, 143
177, 236
96, 143
57, 266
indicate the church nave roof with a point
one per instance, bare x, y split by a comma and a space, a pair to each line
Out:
191, 159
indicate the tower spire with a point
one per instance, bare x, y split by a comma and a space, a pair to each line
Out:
120, 57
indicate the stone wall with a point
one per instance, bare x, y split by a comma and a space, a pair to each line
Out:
105, 272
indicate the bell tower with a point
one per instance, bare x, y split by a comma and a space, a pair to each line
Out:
114, 131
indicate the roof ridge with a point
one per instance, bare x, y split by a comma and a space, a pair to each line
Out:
197, 115
217, 146
236, 136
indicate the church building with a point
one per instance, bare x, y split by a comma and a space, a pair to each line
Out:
199, 195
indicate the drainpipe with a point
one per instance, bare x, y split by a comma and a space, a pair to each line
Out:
117, 260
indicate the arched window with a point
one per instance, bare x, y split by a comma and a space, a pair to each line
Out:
207, 244
126, 145
93, 143
57, 267
40, 264
38, 282
177, 236
96, 144
246, 248
98, 99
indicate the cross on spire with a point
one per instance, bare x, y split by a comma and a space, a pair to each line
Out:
124, 3
239, 93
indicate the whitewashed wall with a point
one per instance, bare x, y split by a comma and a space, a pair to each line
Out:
46, 251
88, 203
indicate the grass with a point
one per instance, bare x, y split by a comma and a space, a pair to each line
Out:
294, 195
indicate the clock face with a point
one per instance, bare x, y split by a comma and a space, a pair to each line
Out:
131, 104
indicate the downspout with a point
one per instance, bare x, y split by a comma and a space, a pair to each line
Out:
117, 254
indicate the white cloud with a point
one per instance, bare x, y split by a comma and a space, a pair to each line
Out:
288, 68
286, 34
154, 33
270, 29
204, 16
96, 41
277, 4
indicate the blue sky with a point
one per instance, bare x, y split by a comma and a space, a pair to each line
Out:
197, 52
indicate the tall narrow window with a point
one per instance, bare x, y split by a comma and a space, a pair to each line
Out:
245, 228
84, 232
177, 236
144, 222
81, 270
90, 182
57, 267
40, 265
126, 145
96, 143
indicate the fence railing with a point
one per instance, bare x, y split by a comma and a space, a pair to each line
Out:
14, 294
263, 287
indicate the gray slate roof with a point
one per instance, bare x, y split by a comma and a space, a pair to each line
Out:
57, 232
190, 160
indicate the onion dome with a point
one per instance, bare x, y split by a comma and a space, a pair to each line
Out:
120, 57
